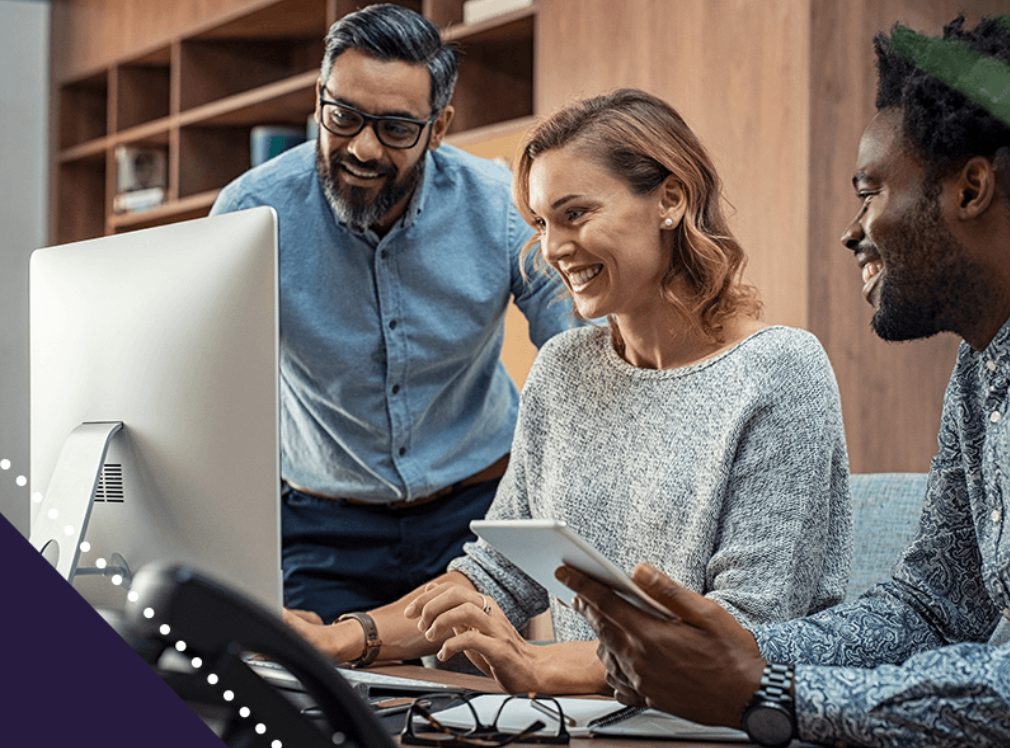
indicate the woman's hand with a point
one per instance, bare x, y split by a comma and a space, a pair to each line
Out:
703, 666
466, 621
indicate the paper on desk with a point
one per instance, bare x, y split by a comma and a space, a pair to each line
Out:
521, 714
651, 723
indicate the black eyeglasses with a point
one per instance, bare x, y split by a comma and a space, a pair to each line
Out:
345, 121
467, 730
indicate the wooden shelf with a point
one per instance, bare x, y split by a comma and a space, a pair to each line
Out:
93, 149
158, 131
272, 103
197, 96
193, 206
490, 26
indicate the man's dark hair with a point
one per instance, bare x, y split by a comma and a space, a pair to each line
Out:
943, 126
392, 32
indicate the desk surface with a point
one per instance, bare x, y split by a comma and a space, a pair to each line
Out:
486, 684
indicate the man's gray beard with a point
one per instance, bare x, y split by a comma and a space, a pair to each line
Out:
350, 204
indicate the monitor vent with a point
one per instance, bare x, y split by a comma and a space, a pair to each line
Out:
110, 484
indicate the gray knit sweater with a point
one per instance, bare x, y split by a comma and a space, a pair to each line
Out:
730, 475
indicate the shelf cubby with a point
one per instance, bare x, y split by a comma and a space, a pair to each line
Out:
213, 156
81, 192
141, 89
83, 114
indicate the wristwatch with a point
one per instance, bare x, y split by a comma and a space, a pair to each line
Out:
372, 640
770, 718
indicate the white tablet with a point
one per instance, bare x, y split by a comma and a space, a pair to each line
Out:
540, 546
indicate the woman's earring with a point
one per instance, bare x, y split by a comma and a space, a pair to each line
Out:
668, 223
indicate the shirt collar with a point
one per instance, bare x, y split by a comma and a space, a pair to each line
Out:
998, 350
418, 200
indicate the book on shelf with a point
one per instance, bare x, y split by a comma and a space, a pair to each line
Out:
137, 200
475, 11
268, 141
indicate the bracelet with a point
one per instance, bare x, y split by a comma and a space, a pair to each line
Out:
372, 640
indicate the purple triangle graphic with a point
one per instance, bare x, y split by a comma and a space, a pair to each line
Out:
69, 678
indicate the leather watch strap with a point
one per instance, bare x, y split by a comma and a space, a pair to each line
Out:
372, 640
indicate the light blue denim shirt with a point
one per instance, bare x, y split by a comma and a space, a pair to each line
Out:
908, 663
391, 383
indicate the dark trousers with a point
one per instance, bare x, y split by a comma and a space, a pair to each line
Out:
340, 557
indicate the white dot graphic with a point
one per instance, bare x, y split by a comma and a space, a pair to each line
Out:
276, 744
165, 629
36, 498
148, 613
53, 512
260, 728
85, 546
117, 579
68, 530
5, 464
228, 695
212, 679
196, 662
132, 596
180, 645
101, 563
21, 480
244, 712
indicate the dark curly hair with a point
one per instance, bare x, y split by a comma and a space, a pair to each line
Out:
943, 125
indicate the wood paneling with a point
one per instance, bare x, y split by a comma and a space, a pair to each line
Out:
891, 393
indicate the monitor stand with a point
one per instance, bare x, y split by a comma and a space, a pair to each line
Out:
62, 518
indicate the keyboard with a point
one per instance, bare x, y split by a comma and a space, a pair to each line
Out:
364, 681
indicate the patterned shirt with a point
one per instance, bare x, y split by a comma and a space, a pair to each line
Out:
908, 663
391, 383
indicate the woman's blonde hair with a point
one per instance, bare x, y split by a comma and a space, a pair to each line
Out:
643, 140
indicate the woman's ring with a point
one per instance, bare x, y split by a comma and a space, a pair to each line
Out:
485, 604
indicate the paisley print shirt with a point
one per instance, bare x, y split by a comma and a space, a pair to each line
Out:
908, 663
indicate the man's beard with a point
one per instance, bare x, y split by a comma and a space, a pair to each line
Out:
930, 285
353, 205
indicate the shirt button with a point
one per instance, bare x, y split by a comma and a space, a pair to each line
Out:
392, 325
997, 515
403, 451
995, 416
990, 365
396, 388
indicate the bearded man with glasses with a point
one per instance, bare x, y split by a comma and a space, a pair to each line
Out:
398, 258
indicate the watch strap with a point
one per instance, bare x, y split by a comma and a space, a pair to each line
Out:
372, 640
775, 692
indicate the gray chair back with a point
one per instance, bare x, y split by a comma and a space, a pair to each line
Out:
885, 517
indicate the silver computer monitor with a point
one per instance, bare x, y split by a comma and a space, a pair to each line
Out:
172, 333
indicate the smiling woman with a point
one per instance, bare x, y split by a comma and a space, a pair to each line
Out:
687, 434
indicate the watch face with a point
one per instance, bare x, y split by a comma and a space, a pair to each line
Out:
768, 724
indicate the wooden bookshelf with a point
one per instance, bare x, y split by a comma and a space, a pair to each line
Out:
199, 92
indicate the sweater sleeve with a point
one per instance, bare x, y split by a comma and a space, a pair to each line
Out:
519, 597
784, 536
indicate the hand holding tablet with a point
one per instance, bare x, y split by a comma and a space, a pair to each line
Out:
540, 546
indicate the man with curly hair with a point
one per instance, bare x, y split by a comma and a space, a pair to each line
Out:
911, 662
